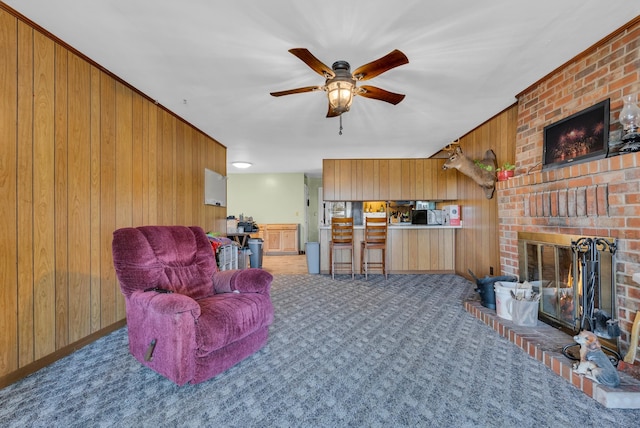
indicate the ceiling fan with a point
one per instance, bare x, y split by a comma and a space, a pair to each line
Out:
340, 83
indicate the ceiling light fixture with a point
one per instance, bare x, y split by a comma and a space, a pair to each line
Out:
241, 164
341, 87
340, 83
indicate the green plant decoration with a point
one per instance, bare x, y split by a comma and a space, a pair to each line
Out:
481, 165
507, 167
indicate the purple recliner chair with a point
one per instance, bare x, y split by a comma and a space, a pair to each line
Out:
186, 320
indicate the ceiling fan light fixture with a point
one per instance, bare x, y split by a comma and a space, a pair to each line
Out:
340, 89
340, 83
340, 95
241, 164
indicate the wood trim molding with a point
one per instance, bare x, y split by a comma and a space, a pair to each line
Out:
57, 355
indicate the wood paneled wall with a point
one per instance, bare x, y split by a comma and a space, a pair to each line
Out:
81, 154
477, 243
387, 180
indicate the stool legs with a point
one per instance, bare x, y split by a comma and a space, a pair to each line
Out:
333, 263
364, 260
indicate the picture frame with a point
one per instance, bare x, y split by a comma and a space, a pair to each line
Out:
580, 137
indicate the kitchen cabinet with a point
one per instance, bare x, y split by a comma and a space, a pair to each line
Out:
280, 239
387, 179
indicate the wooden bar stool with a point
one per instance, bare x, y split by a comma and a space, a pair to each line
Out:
375, 238
341, 239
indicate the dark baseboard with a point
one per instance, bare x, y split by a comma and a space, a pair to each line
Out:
33, 367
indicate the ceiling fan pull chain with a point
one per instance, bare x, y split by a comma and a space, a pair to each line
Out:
340, 133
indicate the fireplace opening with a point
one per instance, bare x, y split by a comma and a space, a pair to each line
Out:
575, 277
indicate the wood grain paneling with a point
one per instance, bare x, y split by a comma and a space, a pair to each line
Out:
107, 198
328, 179
79, 197
61, 243
82, 154
420, 184
344, 168
44, 197
95, 213
25, 223
8, 177
123, 170
387, 180
368, 176
180, 173
422, 250
395, 179
357, 183
124, 156
383, 180
137, 161
477, 243
408, 184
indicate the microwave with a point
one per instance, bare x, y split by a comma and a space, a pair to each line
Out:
432, 217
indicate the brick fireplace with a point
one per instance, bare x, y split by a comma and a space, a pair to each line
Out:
594, 198
599, 197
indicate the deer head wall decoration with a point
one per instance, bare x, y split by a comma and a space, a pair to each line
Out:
484, 177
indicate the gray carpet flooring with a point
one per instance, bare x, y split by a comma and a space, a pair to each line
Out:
342, 353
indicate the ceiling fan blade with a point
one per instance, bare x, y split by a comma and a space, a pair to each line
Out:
313, 62
379, 94
297, 91
391, 60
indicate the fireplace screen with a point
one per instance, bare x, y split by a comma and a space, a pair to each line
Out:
558, 266
549, 268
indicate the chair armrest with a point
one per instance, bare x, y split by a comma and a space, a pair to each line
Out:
251, 280
169, 321
165, 303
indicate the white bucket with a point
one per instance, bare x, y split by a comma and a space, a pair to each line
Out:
503, 296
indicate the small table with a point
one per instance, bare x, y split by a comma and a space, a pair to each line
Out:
240, 238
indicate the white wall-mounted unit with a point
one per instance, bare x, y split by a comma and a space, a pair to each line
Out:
215, 188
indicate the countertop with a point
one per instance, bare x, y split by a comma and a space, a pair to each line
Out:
405, 226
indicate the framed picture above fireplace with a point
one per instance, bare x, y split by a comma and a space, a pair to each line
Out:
580, 137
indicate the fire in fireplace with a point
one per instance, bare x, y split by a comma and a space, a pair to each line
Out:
576, 279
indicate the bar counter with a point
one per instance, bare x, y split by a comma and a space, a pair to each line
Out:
411, 248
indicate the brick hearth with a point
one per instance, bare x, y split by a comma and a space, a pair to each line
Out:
545, 343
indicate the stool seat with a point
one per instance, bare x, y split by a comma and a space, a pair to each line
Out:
341, 239
375, 238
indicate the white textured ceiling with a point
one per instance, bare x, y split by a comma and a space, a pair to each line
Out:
214, 63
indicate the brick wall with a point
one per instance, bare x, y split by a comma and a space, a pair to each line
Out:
596, 198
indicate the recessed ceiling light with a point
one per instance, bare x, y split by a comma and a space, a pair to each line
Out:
241, 165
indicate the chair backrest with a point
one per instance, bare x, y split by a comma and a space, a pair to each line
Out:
176, 258
375, 230
342, 230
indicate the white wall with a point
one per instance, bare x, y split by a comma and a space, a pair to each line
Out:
268, 198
